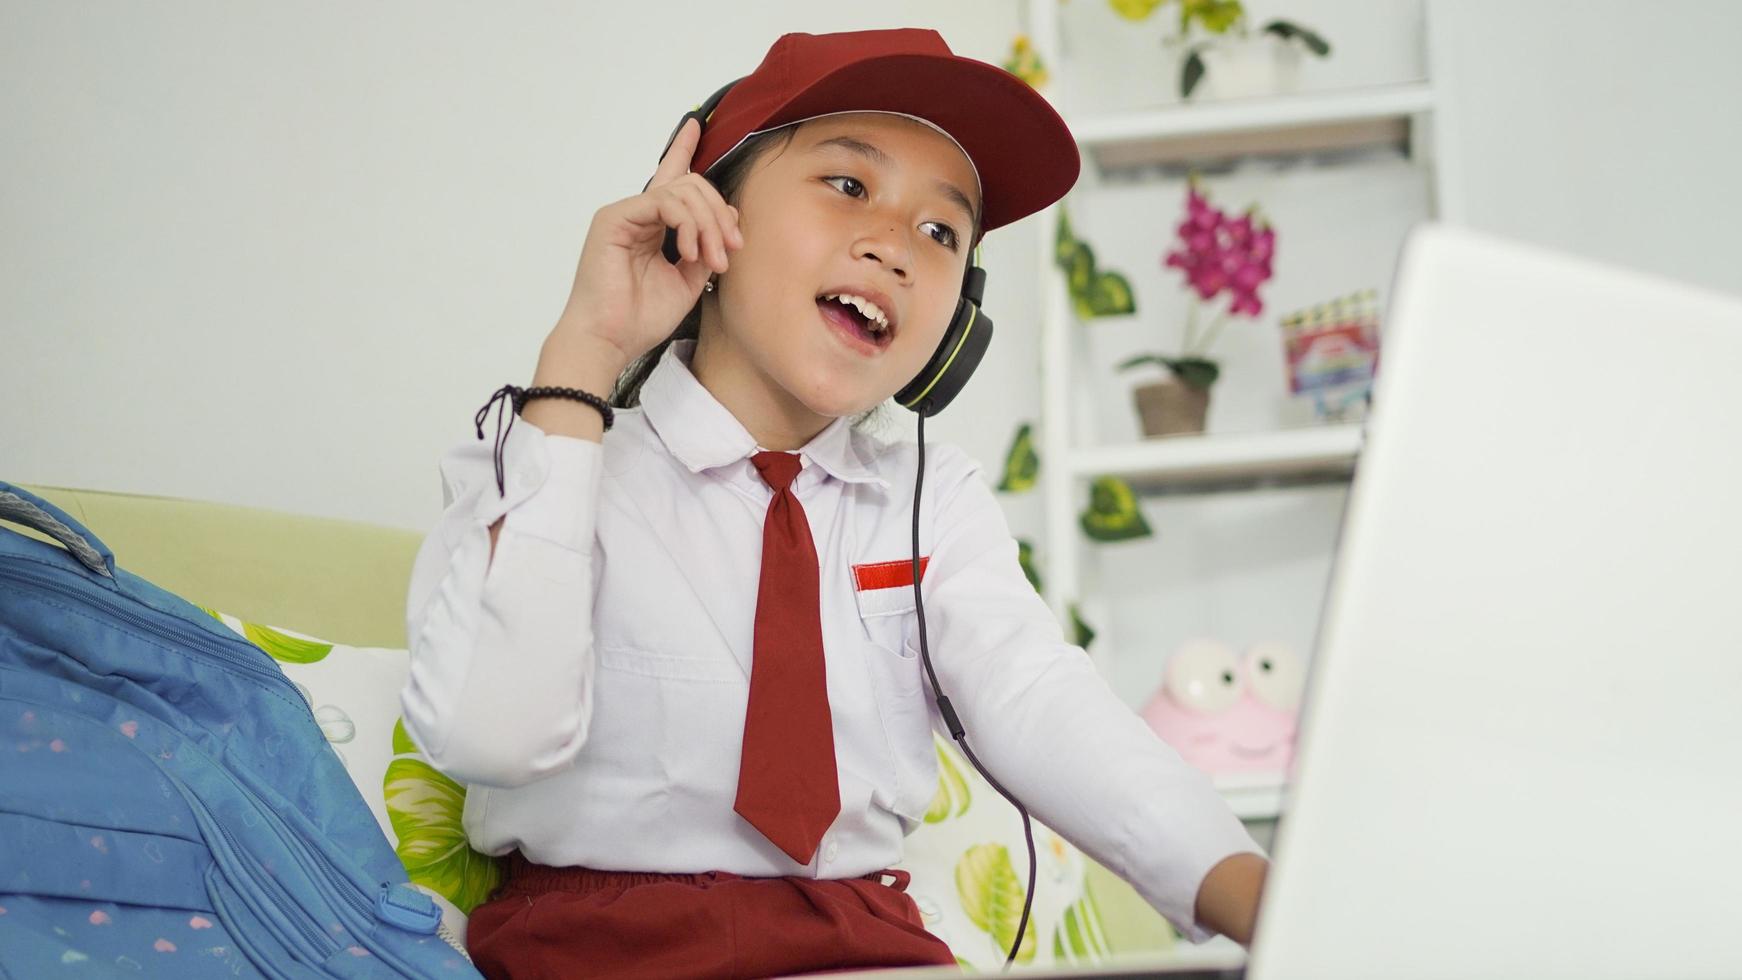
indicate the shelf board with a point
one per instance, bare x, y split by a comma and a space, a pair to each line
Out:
1233, 461
1252, 796
1377, 115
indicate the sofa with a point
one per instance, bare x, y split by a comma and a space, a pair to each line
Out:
326, 598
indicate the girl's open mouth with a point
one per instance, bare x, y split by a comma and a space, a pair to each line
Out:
853, 327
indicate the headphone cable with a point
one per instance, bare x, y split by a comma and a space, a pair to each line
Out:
953, 722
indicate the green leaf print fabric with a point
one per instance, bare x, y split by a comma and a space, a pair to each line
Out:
992, 894
969, 865
425, 807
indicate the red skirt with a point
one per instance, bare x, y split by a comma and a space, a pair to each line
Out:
576, 922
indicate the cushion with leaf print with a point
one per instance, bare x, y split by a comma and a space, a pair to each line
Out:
967, 859
969, 864
354, 694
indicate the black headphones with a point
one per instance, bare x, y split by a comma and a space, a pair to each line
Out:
963, 344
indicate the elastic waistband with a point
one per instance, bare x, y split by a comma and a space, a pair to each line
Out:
525, 877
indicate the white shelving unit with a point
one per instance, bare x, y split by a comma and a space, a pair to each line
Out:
1242, 460
1252, 797
1408, 114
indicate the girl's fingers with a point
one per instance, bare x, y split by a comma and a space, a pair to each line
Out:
676, 161
713, 235
676, 212
727, 214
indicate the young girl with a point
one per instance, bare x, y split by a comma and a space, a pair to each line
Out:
678, 662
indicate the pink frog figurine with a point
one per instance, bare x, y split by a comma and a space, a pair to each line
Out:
1226, 714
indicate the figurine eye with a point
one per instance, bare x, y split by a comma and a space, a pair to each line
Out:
1203, 675
1275, 674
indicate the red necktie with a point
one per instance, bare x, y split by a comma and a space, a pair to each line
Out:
787, 784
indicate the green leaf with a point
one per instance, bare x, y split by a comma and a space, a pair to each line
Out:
1290, 31
402, 743
1080, 306
1024, 62
1217, 16
1113, 514
1194, 371
953, 794
1141, 359
211, 612
1079, 937
1021, 464
1081, 272
424, 807
1025, 558
992, 895
1191, 73
282, 646
1064, 243
1081, 634
1110, 295
1135, 9
1093, 292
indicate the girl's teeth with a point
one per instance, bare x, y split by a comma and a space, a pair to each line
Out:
876, 322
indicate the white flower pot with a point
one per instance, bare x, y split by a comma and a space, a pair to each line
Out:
1256, 66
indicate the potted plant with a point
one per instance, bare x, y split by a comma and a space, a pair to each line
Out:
1220, 256
1216, 32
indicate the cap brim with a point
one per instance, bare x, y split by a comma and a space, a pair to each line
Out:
1025, 154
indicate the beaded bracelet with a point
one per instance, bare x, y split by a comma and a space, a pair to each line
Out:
518, 397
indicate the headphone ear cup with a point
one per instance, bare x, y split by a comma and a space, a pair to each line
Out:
952, 364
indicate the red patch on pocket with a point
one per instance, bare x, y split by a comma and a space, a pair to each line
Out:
887, 574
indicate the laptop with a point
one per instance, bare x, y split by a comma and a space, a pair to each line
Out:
1521, 745
1520, 750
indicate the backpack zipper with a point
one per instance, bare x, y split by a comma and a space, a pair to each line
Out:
188, 636
447, 936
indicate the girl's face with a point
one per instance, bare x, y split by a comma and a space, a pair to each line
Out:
869, 204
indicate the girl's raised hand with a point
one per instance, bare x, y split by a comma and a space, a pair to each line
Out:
626, 292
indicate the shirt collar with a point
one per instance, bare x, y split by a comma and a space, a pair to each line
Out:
703, 434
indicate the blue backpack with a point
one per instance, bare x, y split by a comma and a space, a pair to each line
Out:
168, 805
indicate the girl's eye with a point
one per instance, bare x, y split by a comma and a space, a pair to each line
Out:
949, 239
844, 190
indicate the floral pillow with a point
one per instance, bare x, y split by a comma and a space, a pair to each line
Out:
969, 863
968, 859
354, 694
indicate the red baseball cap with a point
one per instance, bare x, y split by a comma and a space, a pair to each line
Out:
1023, 153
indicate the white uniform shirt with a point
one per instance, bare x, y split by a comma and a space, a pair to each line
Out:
589, 684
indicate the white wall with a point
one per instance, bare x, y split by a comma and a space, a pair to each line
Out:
1606, 128
278, 255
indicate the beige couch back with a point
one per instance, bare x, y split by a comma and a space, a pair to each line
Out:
338, 580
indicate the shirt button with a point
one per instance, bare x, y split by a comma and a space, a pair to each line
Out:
830, 851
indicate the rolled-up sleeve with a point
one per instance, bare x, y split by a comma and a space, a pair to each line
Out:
500, 689
1045, 722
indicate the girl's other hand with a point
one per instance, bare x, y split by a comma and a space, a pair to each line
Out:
626, 292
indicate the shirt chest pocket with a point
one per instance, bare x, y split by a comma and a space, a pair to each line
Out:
662, 633
888, 615
903, 698
885, 596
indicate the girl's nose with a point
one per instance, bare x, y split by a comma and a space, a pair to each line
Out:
888, 247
